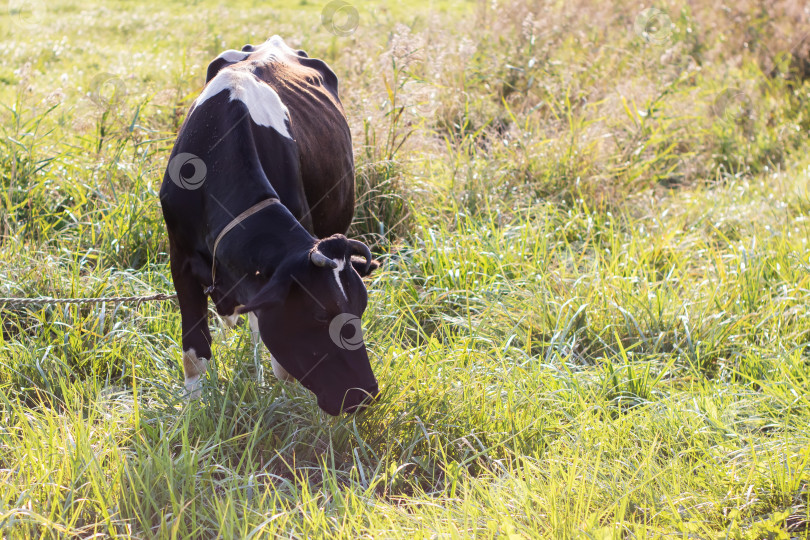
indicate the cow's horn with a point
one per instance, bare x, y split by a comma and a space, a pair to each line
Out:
319, 259
357, 247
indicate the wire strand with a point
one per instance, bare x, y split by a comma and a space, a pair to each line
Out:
45, 300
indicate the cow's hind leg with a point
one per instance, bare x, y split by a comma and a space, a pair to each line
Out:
196, 336
280, 373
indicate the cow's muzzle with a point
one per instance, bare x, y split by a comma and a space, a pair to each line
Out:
354, 400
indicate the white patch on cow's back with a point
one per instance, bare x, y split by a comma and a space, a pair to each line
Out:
341, 263
269, 51
262, 102
278, 42
260, 53
233, 55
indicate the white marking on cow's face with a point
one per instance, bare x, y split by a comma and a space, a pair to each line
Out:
193, 369
341, 263
263, 103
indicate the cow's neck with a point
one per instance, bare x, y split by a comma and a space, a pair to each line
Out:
258, 240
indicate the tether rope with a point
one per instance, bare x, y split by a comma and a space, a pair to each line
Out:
103, 300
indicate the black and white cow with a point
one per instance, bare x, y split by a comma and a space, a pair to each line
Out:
257, 195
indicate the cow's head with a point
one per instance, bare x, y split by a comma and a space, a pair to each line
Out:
309, 318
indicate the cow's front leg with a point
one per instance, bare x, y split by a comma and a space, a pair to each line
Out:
196, 336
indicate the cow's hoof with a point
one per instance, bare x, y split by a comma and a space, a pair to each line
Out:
193, 388
193, 368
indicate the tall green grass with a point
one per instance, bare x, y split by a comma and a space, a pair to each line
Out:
591, 320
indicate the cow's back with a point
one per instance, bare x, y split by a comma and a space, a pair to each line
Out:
309, 90
318, 125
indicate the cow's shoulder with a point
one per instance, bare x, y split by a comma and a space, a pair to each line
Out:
262, 102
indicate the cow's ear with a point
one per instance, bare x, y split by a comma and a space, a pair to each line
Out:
360, 266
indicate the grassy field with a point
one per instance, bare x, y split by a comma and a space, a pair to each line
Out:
594, 311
